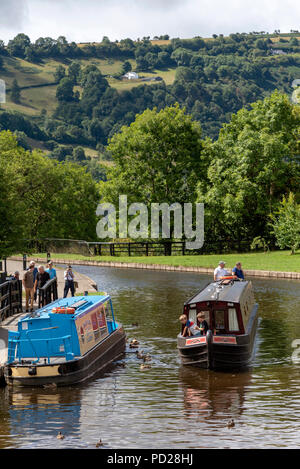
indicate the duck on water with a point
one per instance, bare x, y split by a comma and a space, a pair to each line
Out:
224, 337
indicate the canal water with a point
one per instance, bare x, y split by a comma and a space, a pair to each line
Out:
169, 406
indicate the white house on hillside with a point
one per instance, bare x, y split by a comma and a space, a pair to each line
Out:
131, 76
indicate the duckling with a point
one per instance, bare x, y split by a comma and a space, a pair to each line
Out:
60, 436
134, 343
100, 443
231, 423
147, 358
140, 355
135, 324
144, 366
50, 386
133, 346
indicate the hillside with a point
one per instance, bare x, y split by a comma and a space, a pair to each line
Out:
38, 86
68, 95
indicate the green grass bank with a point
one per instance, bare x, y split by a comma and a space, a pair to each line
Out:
280, 261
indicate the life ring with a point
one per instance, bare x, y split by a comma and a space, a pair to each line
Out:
63, 310
229, 277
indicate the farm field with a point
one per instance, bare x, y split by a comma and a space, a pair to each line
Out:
36, 97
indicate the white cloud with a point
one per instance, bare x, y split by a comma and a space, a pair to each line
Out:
90, 20
13, 14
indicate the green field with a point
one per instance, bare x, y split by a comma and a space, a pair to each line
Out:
31, 75
281, 261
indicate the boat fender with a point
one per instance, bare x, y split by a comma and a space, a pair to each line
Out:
32, 370
70, 356
209, 339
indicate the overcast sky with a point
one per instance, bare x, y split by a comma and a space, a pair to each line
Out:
90, 20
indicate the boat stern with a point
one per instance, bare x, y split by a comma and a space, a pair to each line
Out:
193, 350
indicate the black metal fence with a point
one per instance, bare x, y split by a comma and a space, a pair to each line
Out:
48, 293
136, 248
10, 298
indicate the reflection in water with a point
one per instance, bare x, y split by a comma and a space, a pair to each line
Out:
169, 406
213, 395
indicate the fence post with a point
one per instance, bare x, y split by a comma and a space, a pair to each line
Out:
20, 294
129, 252
147, 249
48, 257
10, 300
24, 261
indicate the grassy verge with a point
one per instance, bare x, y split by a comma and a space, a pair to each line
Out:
277, 261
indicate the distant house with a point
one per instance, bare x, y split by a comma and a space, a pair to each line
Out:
278, 52
131, 76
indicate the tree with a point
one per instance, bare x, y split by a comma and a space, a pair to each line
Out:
253, 162
286, 224
94, 87
59, 73
12, 222
126, 67
74, 72
18, 45
42, 198
78, 154
15, 92
157, 159
64, 91
29, 54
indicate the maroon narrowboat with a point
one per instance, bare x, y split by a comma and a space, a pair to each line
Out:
231, 314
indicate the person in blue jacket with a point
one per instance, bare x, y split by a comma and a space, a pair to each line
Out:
51, 271
238, 272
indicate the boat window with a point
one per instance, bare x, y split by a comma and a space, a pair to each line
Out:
101, 319
220, 319
232, 320
193, 315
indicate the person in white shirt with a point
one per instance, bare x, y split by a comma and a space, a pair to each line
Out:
220, 271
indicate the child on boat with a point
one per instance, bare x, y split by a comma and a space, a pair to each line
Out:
186, 325
203, 326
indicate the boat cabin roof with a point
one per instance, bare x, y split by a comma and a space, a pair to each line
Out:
218, 291
81, 304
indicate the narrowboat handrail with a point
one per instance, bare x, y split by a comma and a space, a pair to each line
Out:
48, 292
63, 339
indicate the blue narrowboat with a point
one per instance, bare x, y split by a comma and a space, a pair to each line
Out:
65, 342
